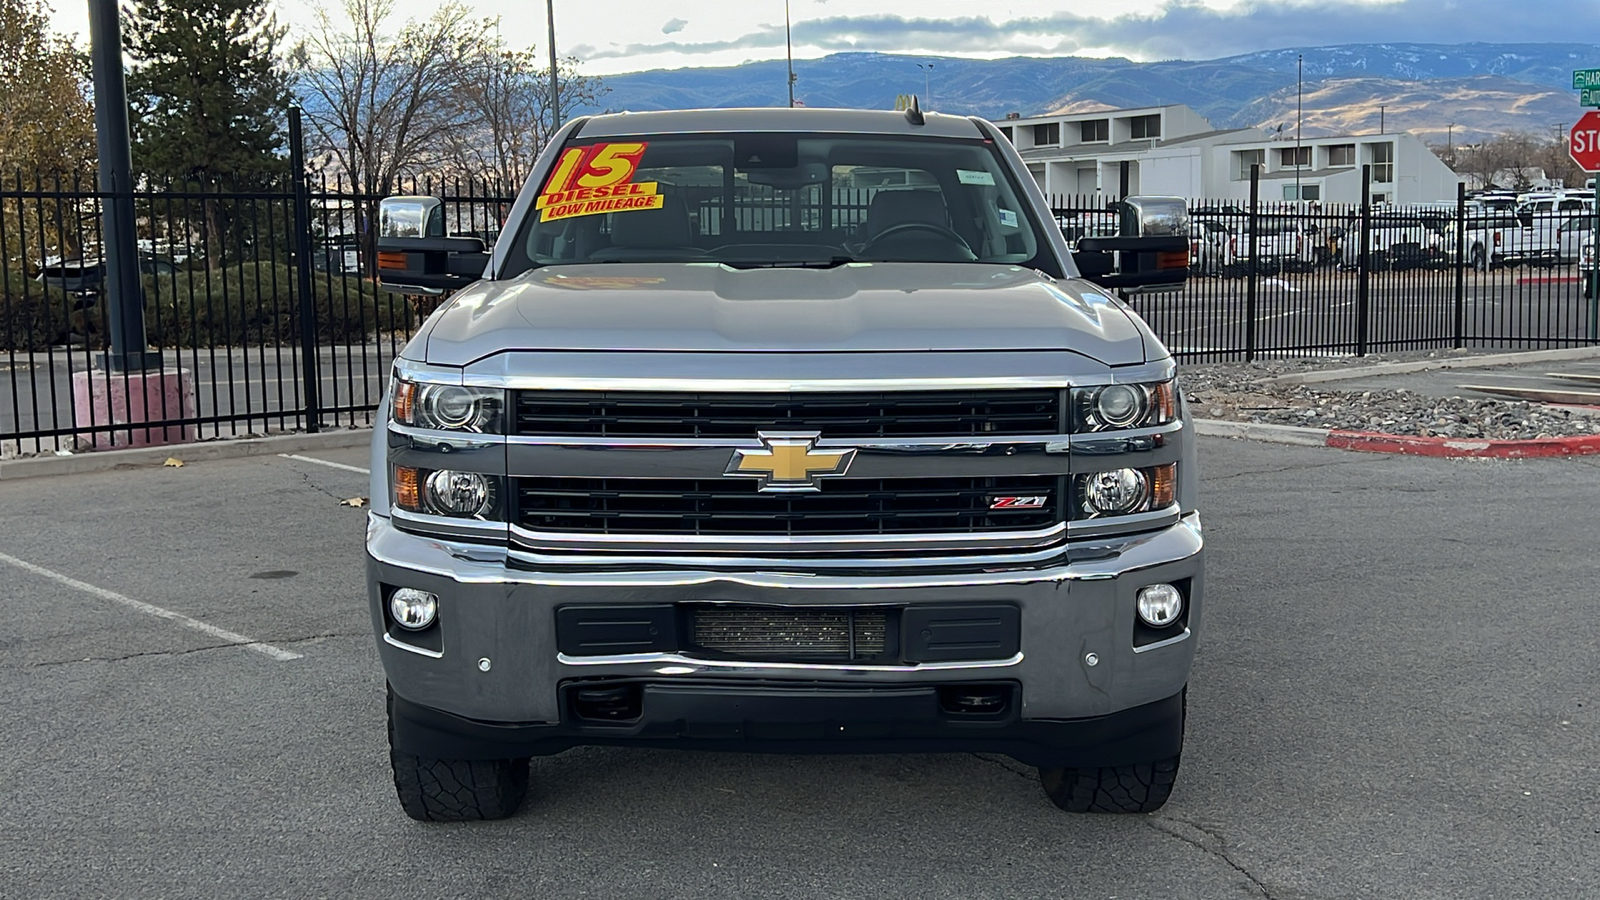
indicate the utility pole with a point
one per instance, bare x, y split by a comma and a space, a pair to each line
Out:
1299, 112
1380, 120
1450, 143
788, 44
555, 95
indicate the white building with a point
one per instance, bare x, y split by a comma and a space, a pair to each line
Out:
1172, 150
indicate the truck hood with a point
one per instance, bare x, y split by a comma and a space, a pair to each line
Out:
709, 307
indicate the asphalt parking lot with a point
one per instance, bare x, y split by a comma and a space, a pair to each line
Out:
1395, 696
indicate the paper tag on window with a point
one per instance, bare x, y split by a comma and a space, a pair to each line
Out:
969, 176
1007, 218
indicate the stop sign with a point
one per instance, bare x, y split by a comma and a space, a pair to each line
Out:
1585, 143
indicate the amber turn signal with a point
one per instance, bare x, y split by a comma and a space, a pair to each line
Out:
391, 260
1163, 486
407, 495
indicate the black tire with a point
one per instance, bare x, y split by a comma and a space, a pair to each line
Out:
1138, 788
457, 790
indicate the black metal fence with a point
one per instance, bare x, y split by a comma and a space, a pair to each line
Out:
269, 311
1290, 279
264, 297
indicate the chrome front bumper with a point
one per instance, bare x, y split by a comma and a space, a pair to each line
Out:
498, 661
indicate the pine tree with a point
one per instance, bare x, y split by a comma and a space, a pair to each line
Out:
209, 90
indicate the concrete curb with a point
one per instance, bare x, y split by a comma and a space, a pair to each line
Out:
1253, 431
1460, 362
142, 457
1410, 445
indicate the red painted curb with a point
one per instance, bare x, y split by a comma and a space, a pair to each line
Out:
1549, 279
1455, 448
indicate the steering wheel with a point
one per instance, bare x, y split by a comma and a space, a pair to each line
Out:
907, 227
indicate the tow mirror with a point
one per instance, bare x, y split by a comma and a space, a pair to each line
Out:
1149, 254
415, 256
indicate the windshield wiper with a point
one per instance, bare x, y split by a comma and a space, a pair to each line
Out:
832, 262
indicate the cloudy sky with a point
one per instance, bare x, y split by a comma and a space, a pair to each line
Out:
613, 36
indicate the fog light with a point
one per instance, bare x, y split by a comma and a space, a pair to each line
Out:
1160, 605
412, 609
1114, 492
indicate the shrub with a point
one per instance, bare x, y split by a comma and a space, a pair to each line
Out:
251, 304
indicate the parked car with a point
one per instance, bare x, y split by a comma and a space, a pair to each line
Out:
1209, 251
1586, 265
1501, 240
1396, 240
1571, 235
653, 483
87, 276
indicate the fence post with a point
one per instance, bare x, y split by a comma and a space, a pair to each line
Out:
1364, 264
1593, 276
1461, 266
302, 253
1250, 284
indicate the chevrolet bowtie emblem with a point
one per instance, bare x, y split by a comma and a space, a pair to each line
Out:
789, 461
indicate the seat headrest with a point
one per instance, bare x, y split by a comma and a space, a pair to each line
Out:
668, 226
891, 208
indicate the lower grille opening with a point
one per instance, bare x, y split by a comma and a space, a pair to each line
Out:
788, 634
975, 699
607, 704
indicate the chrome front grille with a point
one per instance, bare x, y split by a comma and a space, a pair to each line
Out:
734, 507
954, 414
773, 633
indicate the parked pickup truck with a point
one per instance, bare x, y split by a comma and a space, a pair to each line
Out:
1500, 239
1395, 240
878, 471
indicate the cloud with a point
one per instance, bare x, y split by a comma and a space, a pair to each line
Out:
1178, 29
674, 26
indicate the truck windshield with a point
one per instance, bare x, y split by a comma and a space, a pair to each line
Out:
761, 199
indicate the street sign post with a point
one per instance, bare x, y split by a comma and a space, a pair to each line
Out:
1584, 146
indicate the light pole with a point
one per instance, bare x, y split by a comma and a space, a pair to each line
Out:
788, 44
927, 83
1299, 81
1450, 143
555, 95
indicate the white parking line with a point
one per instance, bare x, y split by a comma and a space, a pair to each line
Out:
323, 462
222, 634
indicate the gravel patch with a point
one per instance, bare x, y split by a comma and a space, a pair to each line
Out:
1243, 392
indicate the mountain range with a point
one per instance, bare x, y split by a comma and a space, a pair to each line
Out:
1480, 89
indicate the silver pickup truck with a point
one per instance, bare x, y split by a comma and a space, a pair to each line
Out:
784, 430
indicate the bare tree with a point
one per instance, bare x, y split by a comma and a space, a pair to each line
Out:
386, 105
508, 97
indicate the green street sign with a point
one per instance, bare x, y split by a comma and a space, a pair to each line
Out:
1589, 97
1585, 78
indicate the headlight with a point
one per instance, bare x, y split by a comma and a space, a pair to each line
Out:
1121, 492
1118, 406
448, 407
444, 492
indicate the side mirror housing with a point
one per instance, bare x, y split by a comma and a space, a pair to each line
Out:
1150, 252
415, 256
